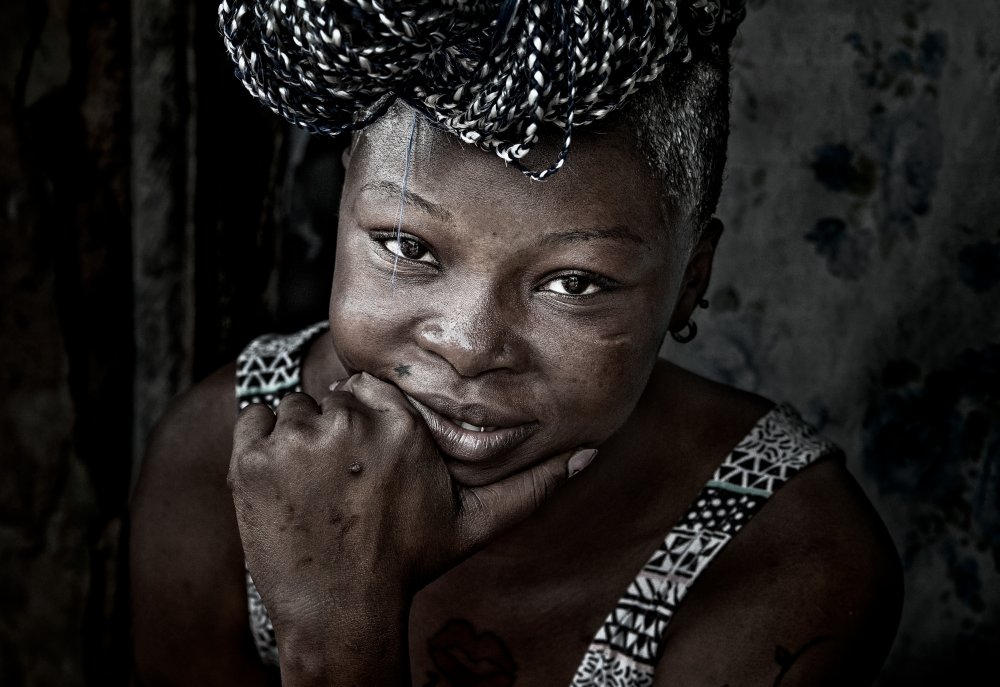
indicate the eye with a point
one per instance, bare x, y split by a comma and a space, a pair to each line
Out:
575, 285
408, 248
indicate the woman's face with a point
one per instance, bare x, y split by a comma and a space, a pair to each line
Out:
522, 318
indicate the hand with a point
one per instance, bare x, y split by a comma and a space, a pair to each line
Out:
341, 551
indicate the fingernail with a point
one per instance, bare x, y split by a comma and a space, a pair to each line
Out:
580, 460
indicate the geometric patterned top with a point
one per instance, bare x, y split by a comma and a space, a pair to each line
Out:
626, 648
271, 366
628, 645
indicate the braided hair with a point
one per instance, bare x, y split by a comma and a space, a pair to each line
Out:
494, 72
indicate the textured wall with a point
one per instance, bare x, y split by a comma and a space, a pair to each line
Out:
859, 278
65, 347
155, 219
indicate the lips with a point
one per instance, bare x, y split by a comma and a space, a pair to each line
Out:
471, 432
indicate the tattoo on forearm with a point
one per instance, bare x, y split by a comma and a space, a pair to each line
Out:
786, 659
402, 370
465, 658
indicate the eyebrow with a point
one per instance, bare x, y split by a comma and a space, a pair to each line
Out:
391, 188
577, 235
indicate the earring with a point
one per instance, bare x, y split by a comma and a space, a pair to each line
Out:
687, 334
690, 329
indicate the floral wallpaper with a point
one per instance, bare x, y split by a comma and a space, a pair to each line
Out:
859, 278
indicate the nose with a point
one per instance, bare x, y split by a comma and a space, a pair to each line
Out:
472, 333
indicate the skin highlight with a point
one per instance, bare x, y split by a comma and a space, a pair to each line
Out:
506, 293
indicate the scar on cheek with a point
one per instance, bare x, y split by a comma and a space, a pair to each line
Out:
402, 370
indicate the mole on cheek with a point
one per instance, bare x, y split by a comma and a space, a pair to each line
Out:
402, 370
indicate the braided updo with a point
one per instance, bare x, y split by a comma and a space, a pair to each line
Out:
492, 71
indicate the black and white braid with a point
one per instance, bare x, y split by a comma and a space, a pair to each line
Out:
491, 71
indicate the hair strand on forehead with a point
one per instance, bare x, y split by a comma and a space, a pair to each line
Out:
407, 161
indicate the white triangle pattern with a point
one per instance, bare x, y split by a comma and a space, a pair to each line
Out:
628, 644
777, 447
270, 366
267, 369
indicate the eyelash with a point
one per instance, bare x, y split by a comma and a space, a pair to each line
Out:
384, 239
603, 284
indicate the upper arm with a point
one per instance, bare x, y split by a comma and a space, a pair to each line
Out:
809, 593
189, 611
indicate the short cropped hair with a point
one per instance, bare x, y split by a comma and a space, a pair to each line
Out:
680, 124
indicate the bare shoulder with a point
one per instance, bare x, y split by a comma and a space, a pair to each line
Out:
195, 432
808, 593
700, 417
186, 560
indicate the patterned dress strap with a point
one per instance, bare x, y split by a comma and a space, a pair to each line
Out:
626, 648
268, 369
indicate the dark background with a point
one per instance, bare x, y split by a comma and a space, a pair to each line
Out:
154, 219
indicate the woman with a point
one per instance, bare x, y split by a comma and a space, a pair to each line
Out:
480, 471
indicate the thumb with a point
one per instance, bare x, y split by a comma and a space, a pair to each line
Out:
488, 510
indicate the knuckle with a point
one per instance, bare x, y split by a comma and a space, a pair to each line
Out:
344, 421
293, 397
246, 465
253, 414
296, 430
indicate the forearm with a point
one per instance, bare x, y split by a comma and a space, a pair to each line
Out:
362, 648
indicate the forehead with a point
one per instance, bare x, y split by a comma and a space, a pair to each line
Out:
605, 182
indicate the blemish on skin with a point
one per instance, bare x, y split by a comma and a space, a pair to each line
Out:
786, 659
402, 370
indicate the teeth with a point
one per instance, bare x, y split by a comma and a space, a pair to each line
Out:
474, 428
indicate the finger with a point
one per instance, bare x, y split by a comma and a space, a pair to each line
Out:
254, 422
489, 510
377, 394
340, 396
296, 405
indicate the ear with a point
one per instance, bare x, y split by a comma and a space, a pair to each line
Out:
697, 274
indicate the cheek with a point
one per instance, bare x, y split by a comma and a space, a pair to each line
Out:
364, 322
595, 382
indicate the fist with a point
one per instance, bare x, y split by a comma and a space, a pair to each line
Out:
346, 503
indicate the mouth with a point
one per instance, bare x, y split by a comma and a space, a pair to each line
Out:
458, 433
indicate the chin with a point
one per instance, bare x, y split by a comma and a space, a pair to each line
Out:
471, 475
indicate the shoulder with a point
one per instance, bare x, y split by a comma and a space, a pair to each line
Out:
700, 418
809, 592
185, 556
195, 432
